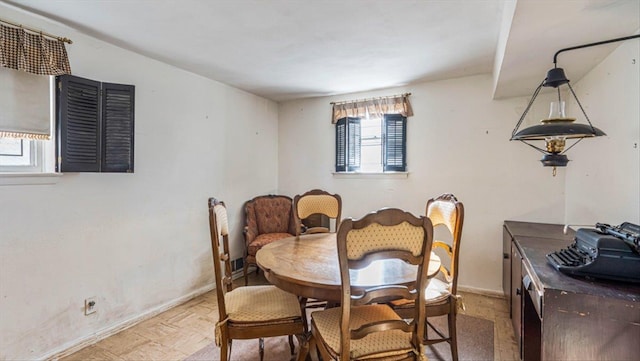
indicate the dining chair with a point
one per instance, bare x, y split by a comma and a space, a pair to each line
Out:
306, 206
364, 326
317, 202
267, 219
442, 298
252, 311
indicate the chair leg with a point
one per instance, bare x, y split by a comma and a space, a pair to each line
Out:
453, 342
261, 347
303, 347
245, 268
292, 346
425, 337
303, 311
224, 349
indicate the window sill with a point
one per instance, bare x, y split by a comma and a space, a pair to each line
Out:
8, 179
380, 175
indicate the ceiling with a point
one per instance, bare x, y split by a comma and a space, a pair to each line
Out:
285, 49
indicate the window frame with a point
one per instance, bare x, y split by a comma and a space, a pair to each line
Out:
35, 158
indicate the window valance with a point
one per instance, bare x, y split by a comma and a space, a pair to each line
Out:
33, 53
397, 104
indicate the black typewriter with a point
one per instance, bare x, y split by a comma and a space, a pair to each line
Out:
607, 252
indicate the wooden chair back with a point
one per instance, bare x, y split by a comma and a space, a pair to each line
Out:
317, 201
386, 234
247, 312
445, 210
219, 228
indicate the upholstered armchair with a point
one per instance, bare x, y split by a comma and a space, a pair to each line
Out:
267, 219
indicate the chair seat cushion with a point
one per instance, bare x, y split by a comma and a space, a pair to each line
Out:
437, 291
379, 344
263, 240
261, 303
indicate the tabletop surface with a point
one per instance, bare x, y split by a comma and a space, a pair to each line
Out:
308, 266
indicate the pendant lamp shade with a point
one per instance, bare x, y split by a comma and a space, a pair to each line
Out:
568, 129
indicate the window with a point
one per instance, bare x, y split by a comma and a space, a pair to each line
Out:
371, 144
95, 126
30, 59
19, 155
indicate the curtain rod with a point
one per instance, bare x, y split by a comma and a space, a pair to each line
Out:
66, 40
367, 99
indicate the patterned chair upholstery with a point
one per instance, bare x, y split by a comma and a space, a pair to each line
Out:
363, 327
267, 219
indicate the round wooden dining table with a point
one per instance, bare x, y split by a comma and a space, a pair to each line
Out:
307, 266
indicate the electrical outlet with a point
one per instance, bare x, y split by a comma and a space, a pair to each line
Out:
90, 306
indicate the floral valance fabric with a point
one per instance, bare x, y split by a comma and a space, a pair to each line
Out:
372, 107
33, 53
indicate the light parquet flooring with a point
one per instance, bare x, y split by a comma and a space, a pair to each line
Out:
187, 328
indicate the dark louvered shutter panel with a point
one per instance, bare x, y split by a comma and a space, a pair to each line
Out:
117, 127
78, 124
395, 143
341, 145
353, 144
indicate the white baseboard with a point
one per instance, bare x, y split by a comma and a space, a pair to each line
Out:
78, 344
236, 274
481, 291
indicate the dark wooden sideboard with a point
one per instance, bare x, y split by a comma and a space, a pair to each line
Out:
558, 317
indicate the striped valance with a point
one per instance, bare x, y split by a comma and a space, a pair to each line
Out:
398, 104
33, 53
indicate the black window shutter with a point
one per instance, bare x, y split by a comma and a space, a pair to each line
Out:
95, 126
117, 127
353, 144
348, 145
395, 143
341, 145
78, 124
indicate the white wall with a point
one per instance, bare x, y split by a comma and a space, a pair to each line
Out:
134, 241
458, 142
603, 177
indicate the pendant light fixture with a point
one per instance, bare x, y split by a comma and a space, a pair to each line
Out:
557, 128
